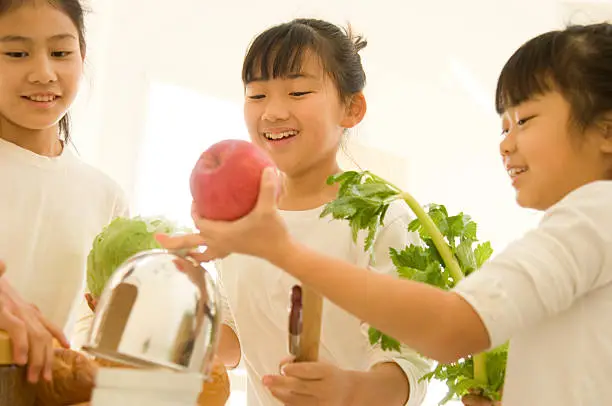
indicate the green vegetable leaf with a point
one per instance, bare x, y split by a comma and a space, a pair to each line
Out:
118, 241
363, 200
389, 344
466, 257
482, 253
376, 337
412, 256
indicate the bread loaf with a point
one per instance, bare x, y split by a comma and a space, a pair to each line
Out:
216, 390
73, 380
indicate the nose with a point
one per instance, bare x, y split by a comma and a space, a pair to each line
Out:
275, 110
42, 70
508, 145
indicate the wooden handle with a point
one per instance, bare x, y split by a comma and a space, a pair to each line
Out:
6, 349
312, 309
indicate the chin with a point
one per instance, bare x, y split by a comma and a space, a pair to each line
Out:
42, 120
522, 200
37, 125
285, 168
526, 201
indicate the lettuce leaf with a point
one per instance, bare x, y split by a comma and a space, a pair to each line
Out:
118, 241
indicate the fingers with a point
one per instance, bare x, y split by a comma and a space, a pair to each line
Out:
268, 190
293, 399
40, 341
476, 400
38, 358
31, 334
55, 332
208, 255
49, 359
307, 370
194, 214
179, 242
199, 257
287, 385
201, 223
18, 333
194, 272
285, 361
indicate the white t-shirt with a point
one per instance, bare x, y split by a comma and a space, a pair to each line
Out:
50, 211
550, 293
258, 298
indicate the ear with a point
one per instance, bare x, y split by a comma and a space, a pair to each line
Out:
355, 111
605, 127
606, 146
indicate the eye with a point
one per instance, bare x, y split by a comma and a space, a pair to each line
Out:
519, 123
61, 54
256, 97
298, 94
16, 54
523, 121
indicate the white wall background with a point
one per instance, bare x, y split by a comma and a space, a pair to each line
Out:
163, 83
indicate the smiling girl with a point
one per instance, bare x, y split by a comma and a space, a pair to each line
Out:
303, 84
550, 292
51, 203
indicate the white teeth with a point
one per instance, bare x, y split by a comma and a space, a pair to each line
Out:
516, 171
280, 136
47, 99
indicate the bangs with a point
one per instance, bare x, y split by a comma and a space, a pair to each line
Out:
530, 72
10, 5
279, 52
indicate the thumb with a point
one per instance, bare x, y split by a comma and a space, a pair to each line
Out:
269, 189
284, 362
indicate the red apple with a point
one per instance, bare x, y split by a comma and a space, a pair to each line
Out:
225, 181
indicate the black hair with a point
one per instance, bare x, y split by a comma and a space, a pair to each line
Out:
279, 51
576, 61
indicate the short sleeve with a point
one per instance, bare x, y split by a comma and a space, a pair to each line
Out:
549, 269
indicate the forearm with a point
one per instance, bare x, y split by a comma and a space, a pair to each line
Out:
438, 324
384, 384
228, 350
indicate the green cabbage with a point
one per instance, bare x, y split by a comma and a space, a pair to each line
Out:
118, 241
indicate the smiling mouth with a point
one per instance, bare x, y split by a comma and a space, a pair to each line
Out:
270, 136
514, 172
42, 99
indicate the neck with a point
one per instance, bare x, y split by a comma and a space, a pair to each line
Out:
309, 189
42, 142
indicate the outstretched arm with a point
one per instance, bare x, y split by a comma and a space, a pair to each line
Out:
426, 319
